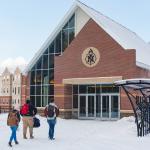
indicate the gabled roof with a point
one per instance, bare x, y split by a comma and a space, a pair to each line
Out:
123, 36
6, 72
17, 71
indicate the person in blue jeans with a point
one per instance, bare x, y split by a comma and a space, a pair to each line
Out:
51, 112
13, 121
51, 124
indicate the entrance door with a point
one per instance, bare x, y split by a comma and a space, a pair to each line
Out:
87, 106
105, 106
91, 105
110, 106
82, 106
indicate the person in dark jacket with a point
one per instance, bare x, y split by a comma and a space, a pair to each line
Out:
51, 112
28, 111
13, 121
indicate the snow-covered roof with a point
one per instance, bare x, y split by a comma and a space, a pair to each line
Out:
125, 37
139, 83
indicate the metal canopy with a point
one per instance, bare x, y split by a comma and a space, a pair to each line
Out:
141, 107
136, 84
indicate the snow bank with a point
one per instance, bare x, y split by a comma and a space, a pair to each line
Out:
79, 135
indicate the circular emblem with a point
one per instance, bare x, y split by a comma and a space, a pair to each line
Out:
90, 57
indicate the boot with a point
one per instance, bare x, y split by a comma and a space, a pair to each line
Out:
31, 137
24, 136
10, 144
16, 142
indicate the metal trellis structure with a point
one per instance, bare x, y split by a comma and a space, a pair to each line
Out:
138, 93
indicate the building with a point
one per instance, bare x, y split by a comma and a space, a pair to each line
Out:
10, 90
6, 91
79, 62
16, 88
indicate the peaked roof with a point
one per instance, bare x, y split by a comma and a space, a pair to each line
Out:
125, 37
17, 71
6, 72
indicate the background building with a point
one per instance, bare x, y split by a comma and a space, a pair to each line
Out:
79, 63
10, 87
16, 89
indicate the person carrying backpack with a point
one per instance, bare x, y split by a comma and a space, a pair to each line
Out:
28, 111
51, 112
13, 120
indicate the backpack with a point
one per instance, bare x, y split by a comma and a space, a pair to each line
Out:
36, 122
25, 109
51, 111
12, 119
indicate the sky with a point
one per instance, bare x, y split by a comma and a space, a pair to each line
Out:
26, 24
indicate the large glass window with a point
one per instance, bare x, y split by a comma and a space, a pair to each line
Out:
32, 78
38, 77
45, 77
32, 90
38, 101
38, 90
51, 89
51, 48
39, 64
32, 98
45, 62
46, 52
42, 74
44, 90
51, 76
71, 35
71, 22
51, 61
58, 43
64, 39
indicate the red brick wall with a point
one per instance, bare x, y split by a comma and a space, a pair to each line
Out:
114, 61
5, 103
25, 93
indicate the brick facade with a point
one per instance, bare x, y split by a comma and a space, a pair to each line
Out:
5, 103
114, 61
25, 88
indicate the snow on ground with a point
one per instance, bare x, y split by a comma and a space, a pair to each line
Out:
79, 135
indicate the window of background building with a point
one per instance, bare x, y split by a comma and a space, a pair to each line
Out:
18, 90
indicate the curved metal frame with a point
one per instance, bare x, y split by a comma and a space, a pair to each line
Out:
140, 108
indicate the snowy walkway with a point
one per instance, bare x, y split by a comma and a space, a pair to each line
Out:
79, 135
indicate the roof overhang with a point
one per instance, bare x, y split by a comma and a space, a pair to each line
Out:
142, 65
136, 84
126, 38
93, 80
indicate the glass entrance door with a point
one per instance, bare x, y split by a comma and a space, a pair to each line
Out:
105, 106
110, 106
82, 106
87, 106
91, 105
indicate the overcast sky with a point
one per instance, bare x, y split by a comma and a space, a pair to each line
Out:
26, 24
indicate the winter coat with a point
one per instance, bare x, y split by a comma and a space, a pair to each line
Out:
32, 111
56, 110
13, 118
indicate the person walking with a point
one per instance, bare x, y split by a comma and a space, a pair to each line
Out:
28, 111
13, 121
51, 112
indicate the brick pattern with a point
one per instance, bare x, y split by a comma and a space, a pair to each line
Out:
25, 88
114, 61
5, 103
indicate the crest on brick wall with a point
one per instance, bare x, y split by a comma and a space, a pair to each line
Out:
90, 57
